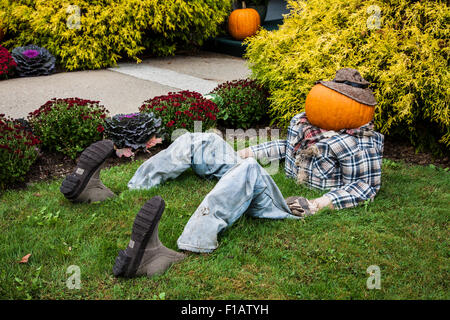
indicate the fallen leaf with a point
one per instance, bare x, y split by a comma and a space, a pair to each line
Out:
125, 152
37, 194
153, 142
25, 258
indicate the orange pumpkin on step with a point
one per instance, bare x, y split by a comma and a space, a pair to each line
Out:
243, 23
328, 109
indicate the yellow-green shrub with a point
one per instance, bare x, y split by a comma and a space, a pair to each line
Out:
406, 60
110, 29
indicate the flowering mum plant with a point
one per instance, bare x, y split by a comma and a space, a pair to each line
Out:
7, 63
132, 130
18, 151
180, 110
68, 125
33, 61
244, 103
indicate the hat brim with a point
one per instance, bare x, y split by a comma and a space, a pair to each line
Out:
364, 96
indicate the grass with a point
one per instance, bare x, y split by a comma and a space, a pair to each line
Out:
404, 232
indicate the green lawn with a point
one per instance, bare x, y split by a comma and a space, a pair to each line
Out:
404, 231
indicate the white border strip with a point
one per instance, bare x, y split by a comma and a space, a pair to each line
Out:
166, 77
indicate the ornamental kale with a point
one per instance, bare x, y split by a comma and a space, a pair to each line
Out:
132, 130
33, 61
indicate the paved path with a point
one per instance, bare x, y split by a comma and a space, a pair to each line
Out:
124, 88
166, 77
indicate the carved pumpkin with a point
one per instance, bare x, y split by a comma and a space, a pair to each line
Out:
328, 109
243, 23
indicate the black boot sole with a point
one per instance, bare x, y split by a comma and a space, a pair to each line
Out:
128, 261
90, 160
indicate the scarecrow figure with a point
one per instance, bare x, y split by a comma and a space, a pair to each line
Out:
346, 161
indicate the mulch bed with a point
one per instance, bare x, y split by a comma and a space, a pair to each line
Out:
53, 165
404, 151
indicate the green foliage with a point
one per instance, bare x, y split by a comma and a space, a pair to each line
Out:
106, 30
44, 217
68, 125
28, 289
244, 103
18, 151
406, 60
180, 110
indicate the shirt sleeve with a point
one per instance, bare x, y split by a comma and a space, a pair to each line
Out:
276, 150
361, 174
272, 150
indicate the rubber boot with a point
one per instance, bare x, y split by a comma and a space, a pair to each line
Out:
157, 258
145, 254
95, 190
84, 184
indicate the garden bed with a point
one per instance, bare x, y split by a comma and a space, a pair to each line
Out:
54, 165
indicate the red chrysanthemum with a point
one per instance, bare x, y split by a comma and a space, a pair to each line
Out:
180, 110
100, 128
68, 125
7, 63
17, 150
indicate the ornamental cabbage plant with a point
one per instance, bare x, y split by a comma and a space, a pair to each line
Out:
132, 130
33, 61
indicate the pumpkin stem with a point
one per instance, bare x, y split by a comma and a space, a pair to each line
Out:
243, 5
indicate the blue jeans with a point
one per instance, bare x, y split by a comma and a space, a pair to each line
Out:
243, 187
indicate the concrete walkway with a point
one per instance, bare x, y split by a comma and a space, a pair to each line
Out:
124, 88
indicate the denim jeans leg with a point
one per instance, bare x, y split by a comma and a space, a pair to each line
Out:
246, 187
207, 153
212, 156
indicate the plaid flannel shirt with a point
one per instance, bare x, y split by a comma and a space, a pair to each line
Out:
348, 162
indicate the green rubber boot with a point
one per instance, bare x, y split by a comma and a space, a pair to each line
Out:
84, 184
145, 254
157, 258
95, 190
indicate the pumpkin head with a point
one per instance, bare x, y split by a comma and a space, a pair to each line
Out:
243, 23
330, 110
